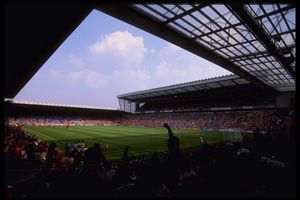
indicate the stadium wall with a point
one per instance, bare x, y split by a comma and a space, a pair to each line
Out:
283, 99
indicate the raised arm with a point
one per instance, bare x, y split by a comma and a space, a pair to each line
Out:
169, 129
125, 156
105, 162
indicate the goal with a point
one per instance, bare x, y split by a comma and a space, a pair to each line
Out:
232, 135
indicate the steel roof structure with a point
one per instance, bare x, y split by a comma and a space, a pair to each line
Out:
205, 84
255, 41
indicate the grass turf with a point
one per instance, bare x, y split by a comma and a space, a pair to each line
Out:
142, 141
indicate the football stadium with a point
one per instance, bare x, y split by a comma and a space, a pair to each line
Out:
228, 135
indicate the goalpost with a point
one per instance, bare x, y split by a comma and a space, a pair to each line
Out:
232, 135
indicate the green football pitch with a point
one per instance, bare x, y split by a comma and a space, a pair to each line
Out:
113, 139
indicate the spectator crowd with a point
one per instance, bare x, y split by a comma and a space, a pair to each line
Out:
255, 167
57, 121
243, 120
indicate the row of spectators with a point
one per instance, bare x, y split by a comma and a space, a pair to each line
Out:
57, 121
242, 169
243, 120
23, 150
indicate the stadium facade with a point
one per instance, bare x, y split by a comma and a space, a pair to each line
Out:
236, 94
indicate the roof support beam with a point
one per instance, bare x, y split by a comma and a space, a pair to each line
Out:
255, 28
140, 20
32, 33
259, 17
249, 41
259, 54
280, 10
185, 13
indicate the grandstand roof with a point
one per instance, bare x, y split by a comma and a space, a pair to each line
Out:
60, 105
254, 41
25, 108
205, 84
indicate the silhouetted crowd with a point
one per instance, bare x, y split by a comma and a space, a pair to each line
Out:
22, 150
258, 166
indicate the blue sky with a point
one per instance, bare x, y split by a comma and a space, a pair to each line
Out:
105, 57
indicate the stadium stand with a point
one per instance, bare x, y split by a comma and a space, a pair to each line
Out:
255, 99
245, 168
231, 169
219, 92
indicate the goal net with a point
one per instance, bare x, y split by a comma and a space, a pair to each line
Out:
232, 135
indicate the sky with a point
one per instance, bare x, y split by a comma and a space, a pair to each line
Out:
105, 57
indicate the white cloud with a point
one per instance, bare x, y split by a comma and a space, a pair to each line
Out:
73, 59
168, 50
88, 77
55, 73
152, 50
162, 70
139, 74
178, 66
178, 59
122, 45
131, 79
173, 72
